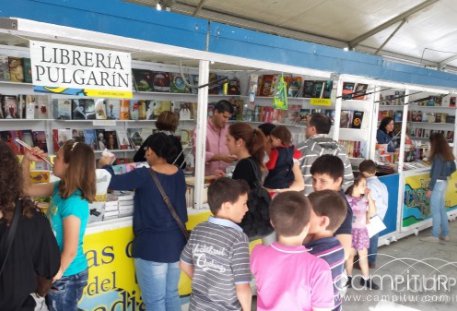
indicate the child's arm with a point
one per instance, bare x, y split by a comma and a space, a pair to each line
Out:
187, 268
244, 295
371, 207
71, 226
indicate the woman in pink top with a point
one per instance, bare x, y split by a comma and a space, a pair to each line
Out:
363, 208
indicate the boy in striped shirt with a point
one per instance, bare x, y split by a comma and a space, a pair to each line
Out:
327, 215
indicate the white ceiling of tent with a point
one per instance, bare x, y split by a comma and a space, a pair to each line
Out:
428, 36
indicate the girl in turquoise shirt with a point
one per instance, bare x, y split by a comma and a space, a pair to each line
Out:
68, 212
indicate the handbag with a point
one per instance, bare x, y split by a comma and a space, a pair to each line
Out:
171, 208
256, 221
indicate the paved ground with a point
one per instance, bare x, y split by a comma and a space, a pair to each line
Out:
414, 275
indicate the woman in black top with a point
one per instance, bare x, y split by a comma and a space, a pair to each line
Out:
34, 251
248, 145
167, 123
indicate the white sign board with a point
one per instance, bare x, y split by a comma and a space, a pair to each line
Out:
95, 72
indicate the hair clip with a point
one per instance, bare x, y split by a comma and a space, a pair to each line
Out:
74, 145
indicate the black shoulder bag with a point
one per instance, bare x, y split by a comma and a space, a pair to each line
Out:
10, 235
167, 201
256, 222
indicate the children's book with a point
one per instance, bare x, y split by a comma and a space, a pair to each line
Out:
39, 140
161, 82
177, 83
4, 68
16, 69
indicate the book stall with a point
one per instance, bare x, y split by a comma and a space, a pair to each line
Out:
417, 112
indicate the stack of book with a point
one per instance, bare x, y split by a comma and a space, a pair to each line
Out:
125, 205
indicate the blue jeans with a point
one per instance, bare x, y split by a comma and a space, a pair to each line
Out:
66, 292
373, 249
439, 214
159, 284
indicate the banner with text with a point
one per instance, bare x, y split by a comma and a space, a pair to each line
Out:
77, 70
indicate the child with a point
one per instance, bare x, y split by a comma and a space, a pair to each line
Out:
68, 212
286, 275
363, 208
281, 159
328, 172
327, 215
217, 254
380, 196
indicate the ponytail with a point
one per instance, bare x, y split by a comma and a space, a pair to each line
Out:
254, 140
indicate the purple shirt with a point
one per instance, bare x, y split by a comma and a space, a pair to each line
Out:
215, 144
290, 278
359, 208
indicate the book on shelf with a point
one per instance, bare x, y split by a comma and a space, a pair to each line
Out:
237, 105
294, 86
90, 138
452, 101
101, 139
398, 116
83, 109
27, 67
234, 87
123, 140
308, 89
39, 140
357, 118
62, 109
348, 90
124, 110
78, 135
360, 91
177, 84
215, 84
59, 137
353, 148
183, 110
10, 107
4, 68
266, 85
100, 109
346, 118
16, 69
113, 109
143, 80
161, 106
134, 135
161, 81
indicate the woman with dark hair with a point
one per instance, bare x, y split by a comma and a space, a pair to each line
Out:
158, 240
34, 252
443, 166
167, 123
248, 145
385, 132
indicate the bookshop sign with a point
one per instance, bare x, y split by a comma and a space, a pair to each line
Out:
77, 70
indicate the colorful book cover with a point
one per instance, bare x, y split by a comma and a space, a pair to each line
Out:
125, 110
100, 109
16, 69
183, 110
327, 91
123, 140
4, 68
27, 70
113, 109
267, 86
143, 80
357, 118
111, 140
237, 105
39, 140
90, 138
308, 89
62, 109
10, 107
161, 106
360, 91
141, 109
41, 107
234, 87
161, 82
177, 83
294, 86
215, 87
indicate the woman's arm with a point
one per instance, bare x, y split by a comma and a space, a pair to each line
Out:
71, 227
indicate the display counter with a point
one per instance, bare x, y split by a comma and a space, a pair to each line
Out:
112, 283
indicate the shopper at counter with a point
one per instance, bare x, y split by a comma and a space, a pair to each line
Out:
217, 156
317, 144
69, 213
167, 123
158, 241
33, 252
385, 132
443, 166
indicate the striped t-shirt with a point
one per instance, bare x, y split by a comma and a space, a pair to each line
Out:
331, 250
218, 250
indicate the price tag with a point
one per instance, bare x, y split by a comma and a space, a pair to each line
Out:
320, 102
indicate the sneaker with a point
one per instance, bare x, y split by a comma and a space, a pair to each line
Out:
429, 239
349, 282
369, 284
444, 238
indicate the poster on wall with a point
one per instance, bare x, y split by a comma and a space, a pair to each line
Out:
416, 206
82, 71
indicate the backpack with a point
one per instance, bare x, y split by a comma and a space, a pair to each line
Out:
256, 221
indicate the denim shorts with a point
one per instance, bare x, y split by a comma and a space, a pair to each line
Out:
66, 292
